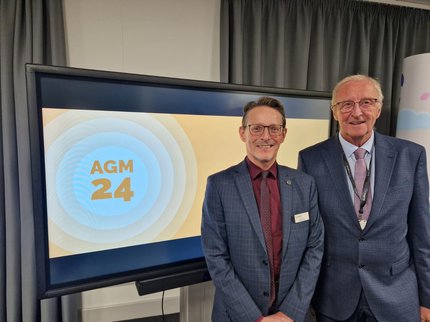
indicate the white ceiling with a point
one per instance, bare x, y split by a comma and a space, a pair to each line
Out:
425, 2
422, 4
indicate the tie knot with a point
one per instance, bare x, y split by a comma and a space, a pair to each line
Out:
359, 153
265, 174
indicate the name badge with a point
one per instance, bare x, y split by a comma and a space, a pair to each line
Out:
301, 217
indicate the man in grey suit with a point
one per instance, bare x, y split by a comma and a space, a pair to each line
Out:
376, 265
262, 233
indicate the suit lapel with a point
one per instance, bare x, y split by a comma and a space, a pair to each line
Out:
385, 158
246, 192
286, 186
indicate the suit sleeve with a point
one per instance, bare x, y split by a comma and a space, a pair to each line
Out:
240, 305
297, 302
419, 229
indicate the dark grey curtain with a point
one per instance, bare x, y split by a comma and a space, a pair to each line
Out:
31, 31
311, 44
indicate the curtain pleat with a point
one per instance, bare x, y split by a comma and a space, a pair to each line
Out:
312, 44
31, 31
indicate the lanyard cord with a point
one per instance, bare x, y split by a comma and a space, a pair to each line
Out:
366, 184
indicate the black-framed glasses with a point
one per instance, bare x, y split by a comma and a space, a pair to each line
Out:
258, 129
365, 104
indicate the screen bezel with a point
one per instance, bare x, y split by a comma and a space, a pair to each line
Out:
148, 280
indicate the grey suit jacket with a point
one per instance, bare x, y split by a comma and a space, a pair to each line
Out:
233, 243
390, 258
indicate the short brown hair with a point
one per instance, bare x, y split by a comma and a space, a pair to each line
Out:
264, 101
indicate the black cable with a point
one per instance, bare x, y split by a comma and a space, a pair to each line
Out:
162, 306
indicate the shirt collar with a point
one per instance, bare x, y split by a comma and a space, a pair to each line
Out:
349, 148
255, 170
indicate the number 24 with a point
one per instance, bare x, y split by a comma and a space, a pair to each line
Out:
122, 191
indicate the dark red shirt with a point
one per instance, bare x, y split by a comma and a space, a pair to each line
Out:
275, 208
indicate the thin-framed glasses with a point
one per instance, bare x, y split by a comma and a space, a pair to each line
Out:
365, 104
258, 129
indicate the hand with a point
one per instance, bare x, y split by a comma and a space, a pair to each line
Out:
424, 314
277, 317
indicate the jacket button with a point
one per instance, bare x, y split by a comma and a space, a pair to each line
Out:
265, 262
266, 293
361, 266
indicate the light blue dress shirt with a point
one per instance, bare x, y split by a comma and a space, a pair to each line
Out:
349, 149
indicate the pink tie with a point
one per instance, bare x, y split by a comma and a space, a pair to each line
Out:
266, 224
359, 178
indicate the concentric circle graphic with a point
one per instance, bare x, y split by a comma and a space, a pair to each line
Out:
116, 179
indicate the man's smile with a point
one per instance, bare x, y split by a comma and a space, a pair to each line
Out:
264, 146
357, 122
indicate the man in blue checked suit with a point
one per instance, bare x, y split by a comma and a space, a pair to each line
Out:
376, 265
262, 233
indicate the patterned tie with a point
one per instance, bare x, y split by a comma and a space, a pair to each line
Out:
266, 224
359, 178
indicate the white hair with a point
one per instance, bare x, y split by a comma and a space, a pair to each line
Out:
358, 77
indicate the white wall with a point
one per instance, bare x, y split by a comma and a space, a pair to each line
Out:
169, 38
155, 37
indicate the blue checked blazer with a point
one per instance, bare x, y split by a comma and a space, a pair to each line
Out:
390, 258
233, 243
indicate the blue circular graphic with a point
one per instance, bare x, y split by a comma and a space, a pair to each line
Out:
113, 168
82, 164
97, 174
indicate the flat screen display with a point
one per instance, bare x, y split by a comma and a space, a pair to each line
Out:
119, 169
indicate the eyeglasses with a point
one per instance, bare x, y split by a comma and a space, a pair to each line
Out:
258, 129
365, 104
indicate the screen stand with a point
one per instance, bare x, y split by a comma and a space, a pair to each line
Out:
196, 302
